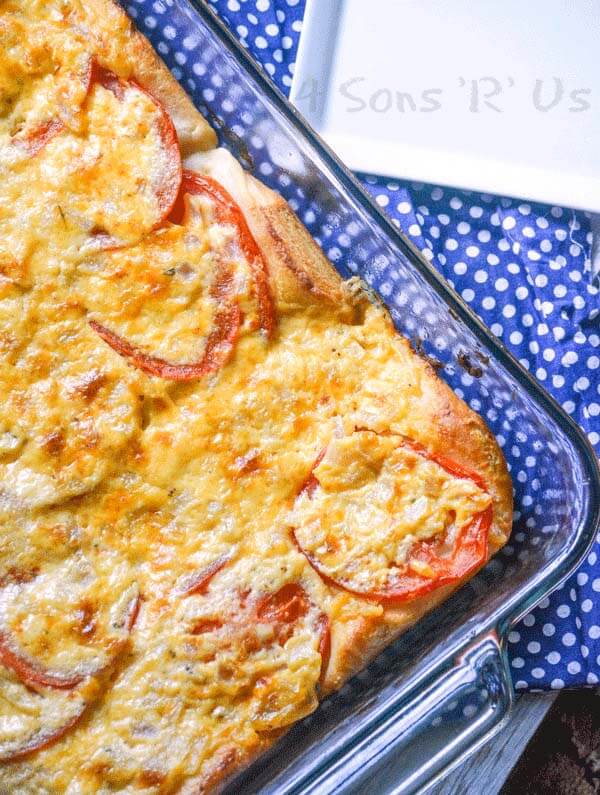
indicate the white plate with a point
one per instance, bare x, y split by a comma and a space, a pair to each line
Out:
397, 87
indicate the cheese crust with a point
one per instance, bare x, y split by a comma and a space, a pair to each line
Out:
217, 459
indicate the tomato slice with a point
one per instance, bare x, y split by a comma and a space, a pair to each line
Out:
443, 559
166, 167
40, 704
284, 608
34, 674
446, 463
198, 583
226, 661
219, 346
228, 212
470, 552
35, 140
168, 181
32, 720
228, 319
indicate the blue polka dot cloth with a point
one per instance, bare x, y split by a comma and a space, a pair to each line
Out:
530, 272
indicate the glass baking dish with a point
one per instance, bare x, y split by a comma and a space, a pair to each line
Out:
444, 688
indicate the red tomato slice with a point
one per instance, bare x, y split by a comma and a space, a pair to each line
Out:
34, 675
41, 705
446, 567
44, 739
198, 584
458, 470
311, 483
219, 347
169, 182
228, 212
28, 738
284, 608
35, 140
470, 551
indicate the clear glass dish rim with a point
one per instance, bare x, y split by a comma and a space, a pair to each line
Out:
554, 574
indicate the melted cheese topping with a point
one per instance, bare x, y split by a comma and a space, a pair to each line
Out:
375, 500
116, 483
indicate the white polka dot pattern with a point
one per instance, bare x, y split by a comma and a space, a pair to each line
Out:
269, 29
524, 268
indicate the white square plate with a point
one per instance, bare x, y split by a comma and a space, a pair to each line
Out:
502, 97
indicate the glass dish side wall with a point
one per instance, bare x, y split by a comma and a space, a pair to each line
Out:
552, 467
